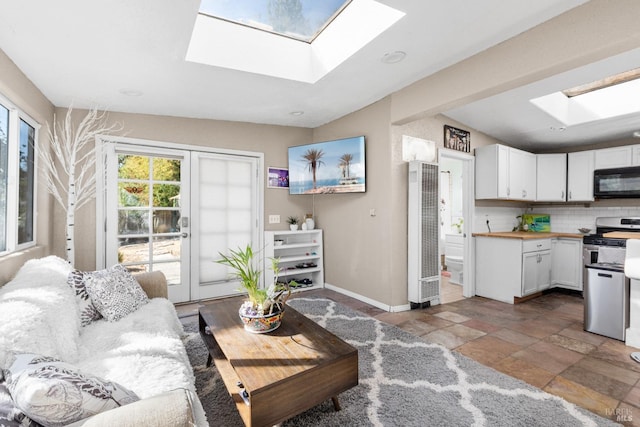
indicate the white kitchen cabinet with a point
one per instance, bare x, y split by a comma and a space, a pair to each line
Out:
615, 157
508, 268
566, 263
505, 173
536, 266
580, 166
551, 177
300, 254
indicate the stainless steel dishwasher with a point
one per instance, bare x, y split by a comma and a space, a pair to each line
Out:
606, 300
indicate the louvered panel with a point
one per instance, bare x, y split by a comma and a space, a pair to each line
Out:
423, 254
429, 238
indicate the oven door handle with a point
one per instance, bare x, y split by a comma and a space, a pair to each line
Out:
605, 275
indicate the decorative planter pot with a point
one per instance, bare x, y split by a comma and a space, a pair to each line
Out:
261, 324
293, 227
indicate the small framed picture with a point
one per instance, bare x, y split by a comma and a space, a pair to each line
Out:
277, 177
457, 139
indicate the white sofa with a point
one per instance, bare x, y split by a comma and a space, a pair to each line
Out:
142, 352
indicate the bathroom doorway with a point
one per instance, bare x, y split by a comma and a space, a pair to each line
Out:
456, 185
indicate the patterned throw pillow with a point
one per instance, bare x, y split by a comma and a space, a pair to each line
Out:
115, 292
10, 415
88, 312
55, 393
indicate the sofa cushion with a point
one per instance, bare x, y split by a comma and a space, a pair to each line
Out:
88, 312
114, 292
56, 393
38, 311
10, 414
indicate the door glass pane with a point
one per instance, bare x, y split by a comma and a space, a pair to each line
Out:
166, 169
133, 167
166, 195
133, 251
133, 193
133, 221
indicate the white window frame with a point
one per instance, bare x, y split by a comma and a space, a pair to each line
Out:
13, 177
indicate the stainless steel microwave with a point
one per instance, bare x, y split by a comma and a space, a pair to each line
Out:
617, 182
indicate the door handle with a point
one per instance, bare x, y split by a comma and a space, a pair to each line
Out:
185, 235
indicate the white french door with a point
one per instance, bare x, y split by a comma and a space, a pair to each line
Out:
174, 210
224, 217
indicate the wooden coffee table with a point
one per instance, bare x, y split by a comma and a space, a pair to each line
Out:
284, 372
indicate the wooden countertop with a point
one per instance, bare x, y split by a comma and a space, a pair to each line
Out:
623, 235
529, 235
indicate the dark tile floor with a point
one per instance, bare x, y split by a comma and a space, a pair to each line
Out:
540, 341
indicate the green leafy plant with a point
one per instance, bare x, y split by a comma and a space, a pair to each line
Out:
292, 220
261, 301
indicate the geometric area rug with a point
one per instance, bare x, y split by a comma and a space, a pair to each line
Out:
403, 381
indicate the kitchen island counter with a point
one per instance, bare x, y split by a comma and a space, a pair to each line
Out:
527, 235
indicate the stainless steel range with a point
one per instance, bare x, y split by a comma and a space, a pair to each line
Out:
606, 289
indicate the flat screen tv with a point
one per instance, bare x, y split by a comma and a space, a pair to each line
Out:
328, 167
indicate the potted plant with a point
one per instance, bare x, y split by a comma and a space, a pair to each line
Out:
264, 309
293, 223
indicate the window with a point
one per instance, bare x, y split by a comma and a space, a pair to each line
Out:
298, 19
17, 178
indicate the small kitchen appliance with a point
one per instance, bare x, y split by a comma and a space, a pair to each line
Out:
606, 289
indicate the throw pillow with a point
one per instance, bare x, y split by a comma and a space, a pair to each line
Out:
55, 393
10, 415
88, 312
115, 292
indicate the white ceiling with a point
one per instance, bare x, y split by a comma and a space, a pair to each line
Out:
87, 53
513, 119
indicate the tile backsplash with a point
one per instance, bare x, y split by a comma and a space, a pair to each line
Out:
564, 219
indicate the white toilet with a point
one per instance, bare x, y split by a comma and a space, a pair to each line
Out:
453, 257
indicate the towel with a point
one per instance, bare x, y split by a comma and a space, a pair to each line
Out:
607, 255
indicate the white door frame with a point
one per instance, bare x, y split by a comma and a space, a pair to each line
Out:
101, 198
468, 210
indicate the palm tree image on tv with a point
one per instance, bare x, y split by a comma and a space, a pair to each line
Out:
345, 163
313, 156
336, 166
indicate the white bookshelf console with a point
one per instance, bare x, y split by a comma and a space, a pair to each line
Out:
300, 255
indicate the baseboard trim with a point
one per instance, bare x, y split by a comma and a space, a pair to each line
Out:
385, 307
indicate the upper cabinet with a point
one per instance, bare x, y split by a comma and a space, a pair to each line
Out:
508, 173
551, 177
616, 157
505, 173
580, 176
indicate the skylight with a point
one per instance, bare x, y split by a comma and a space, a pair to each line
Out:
224, 43
298, 19
610, 97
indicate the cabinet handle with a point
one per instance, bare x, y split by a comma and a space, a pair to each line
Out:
524, 193
562, 195
508, 191
570, 195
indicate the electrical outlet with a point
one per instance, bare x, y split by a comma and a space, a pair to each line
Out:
274, 219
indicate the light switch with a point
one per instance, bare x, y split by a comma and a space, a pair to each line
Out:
274, 219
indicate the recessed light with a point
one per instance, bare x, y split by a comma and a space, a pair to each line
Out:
393, 57
558, 129
296, 113
636, 134
130, 92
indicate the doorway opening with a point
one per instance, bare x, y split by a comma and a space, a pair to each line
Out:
455, 181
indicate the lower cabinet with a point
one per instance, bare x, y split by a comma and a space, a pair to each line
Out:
536, 272
566, 263
508, 268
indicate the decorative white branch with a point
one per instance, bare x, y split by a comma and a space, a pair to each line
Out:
69, 165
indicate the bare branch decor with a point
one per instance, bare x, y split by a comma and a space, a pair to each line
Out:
69, 165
